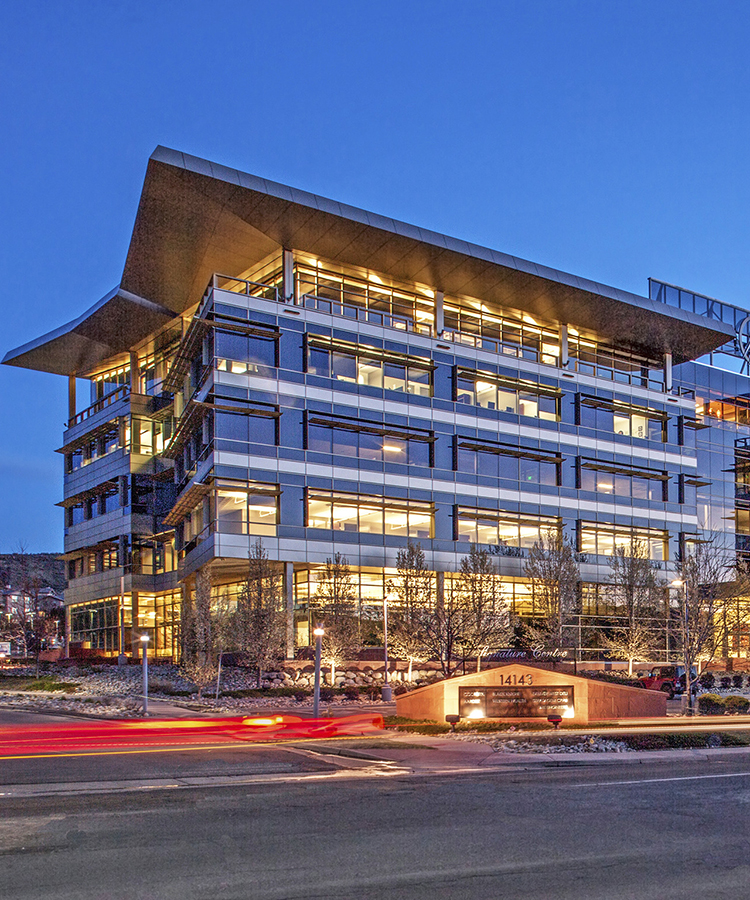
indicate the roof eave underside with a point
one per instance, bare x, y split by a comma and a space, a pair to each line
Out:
196, 218
111, 326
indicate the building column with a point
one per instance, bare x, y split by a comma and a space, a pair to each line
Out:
287, 282
288, 582
135, 374
439, 313
668, 371
71, 397
564, 355
135, 634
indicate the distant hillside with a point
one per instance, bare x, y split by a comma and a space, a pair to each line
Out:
18, 568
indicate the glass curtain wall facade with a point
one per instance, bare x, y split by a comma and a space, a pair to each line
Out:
325, 404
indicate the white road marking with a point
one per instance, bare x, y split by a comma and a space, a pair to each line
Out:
656, 780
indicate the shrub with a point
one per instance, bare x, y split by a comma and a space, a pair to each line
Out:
707, 681
725, 682
47, 683
426, 728
351, 692
736, 705
710, 705
372, 691
737, 681
300, 696
327, 694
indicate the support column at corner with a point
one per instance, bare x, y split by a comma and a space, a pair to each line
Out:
289, 607
287, 274
668, 371
439, 313
71, 397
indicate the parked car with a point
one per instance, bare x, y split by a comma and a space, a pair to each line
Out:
668, 679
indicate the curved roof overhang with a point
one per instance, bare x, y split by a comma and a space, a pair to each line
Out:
111, 326
196, 218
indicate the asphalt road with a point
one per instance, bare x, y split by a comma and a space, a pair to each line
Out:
604, 832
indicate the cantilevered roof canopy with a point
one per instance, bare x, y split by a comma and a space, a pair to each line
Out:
119, 320
196, 218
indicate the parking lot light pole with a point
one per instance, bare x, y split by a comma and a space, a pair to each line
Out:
144, 649
318, 632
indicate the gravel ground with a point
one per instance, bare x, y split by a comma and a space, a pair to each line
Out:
563, 745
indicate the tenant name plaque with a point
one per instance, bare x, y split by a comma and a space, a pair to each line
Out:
536, 701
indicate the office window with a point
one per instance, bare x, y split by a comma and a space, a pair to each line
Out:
243, 353
602, 539
363, 365
500, 332
591, 357
369, 515
369, 440
623, 481
233, 430
249, 508
499, 461
506, 395
621, 418
344, 294
497, 528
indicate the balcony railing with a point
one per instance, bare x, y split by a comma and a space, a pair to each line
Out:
108, 400
363, 314
243, 286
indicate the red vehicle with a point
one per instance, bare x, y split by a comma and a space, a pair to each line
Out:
668, 679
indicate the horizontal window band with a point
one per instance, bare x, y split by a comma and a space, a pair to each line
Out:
96, 433
105, 489
616, 406
365, 500
501, 450
474, 513
635, 533
260, 331
373, 428
632, 472
242, 489
318, 342
267, 412
513, 384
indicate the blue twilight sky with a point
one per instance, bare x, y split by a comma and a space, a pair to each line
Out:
607, 139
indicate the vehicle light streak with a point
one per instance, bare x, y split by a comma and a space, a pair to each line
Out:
51, 740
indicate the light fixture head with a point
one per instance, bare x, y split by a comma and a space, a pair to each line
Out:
318, 632
145, 638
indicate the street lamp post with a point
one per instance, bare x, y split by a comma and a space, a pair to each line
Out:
318, 632
144, 649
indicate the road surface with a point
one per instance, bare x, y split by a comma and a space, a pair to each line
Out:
591, 832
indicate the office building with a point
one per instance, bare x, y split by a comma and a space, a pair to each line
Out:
280, 366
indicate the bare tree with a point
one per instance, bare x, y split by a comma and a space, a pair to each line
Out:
487, 623
334, 602
444, 629
31, 623
260, 620
635, 591
414, 590
200, 662
553, 571
705, 585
